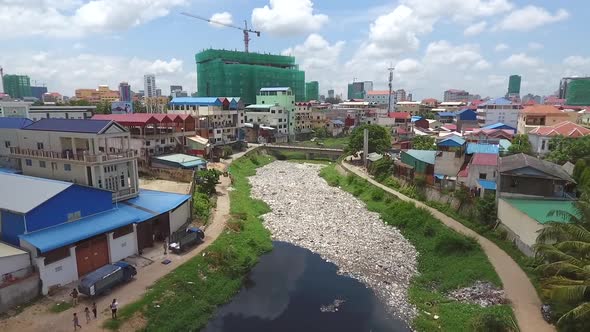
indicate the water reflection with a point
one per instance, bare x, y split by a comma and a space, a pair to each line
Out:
286, 290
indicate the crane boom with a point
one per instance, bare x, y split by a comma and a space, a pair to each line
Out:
245, 29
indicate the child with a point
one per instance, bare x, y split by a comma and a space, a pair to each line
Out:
94, 309
74, 295
76, 323
114, 306
87, 312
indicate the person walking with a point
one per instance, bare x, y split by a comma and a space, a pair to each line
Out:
94, 309
114, 306
76, 322
87, 312
74, 295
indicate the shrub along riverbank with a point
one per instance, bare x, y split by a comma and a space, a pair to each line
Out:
446, 261
186, 298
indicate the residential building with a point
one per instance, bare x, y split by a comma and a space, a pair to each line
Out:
149, 85
452, 106
38, 91
233, 73
9, 128
466, 119
154, 134
500, 125
416, 162
513, 86
526, 175
271, 118
283, 97
412, 107
445, 117
498, 110
431, 102
454, 95
448, 160
482, 172
530, 98
96, 96
125, 92
179, 161
60, 112
400, 95
87, 152
318, 118
312, 91
575, 90
489, 136
473, 148
380, 97
410, 97
356, 90
534, 116
17, 86
335, 127
303, 118
14, 109
542, 135
53, 98
174, 88
367, 86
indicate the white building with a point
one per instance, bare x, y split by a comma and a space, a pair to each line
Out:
149, 85
499, 110
9, 128
380, 97
269, 115
14, 109
61, 112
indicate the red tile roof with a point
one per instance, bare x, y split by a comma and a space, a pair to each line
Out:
450, 126
566, 128
400, 115
543, 109
485, 159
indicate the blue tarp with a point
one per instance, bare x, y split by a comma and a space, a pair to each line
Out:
445, 114
439, 176
487, 184
482, 148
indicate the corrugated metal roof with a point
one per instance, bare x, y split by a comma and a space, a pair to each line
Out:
71, 125
504, 144
452, 141
337, 122
182, 159
196, 101
445, 114
498, 125
259, 106
21, 193
521, 160
485, 159
157, 201
426, 156
487, 184
497, 101
538, 209
482, 148
14, 123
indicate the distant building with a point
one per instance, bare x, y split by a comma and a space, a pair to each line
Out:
124, 92
456, 95
149, 85
575, 90
175, 88
60, 112
380, 97
400, 95
14, 109
233, 73
38, 91
514, 86
17, 86
158, 92
95, 96
410, 97
312, 91
331, 93
53, 97
499, 110
534, 116
530, 98
367, 86
540, 136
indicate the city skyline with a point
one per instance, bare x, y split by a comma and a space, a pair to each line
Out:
473, 45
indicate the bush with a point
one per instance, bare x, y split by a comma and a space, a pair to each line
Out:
377, 194
453, 243
429, 230
358, 191
201, 206
489, 321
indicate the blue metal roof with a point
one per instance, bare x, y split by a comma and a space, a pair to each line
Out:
14, 123
337, 122
499, 125
157, 201
487, 184
504, 144
415, 118
497, 101
441, 114
482, 148
71, 125
9, 170
196, 101
426, 156
452, 141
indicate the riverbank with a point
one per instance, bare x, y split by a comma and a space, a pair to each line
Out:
188, 296
446, 260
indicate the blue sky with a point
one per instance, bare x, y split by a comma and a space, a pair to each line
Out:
434, 45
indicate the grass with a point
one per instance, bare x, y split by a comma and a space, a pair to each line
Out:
461, 263
186, 298
329, 142
60, 307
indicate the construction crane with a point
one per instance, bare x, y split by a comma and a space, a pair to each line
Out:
245, 29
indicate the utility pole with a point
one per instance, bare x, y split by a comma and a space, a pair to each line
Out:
391, 69
365, 146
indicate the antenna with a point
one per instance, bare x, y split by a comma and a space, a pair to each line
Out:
391, 69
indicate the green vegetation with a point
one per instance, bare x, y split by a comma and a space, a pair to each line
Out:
520, 144
379, 139
201, 206
206, 181
187, 297
563, 249
568, 149
423, 143
447, 259
60, 306
328, 142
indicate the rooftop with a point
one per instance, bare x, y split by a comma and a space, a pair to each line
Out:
452, 141
399, 115
487, 184
14, 123
538, 209
496, 101
427, 156
265, 106
196, 101
7, 250
21, 193
379, 92
482, 148
566, 128
441, 114
183, 159
485, 159
279, 88
499, 125
86, 126
521, 160
543, 110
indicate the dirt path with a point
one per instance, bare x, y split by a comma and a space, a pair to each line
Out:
517, 286
37, 317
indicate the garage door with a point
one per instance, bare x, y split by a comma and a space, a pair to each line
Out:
92, 254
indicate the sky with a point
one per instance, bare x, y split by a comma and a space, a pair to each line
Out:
433, 45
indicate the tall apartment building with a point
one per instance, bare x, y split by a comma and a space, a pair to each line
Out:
312, 90
38, 91
95, 96
233, 73
456, 95
400, 95
95, 153
514, 86
17, 86
149, 85
499, 110
331, 93
125, 92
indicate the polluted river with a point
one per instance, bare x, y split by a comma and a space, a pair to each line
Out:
335, 265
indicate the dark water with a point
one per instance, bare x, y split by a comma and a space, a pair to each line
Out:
285, 291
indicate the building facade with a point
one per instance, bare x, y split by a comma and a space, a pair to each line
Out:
312, 91
514, 86
149, 85
96, 96
455, 95
14, 109
283, 97
535, 116
60, 112
381, 97
17, 86
125, 92
499, 110
575, 90
38, 91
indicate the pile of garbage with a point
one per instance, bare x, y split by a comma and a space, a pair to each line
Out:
307, 212
482, 293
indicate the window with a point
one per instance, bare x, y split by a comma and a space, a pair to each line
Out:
7, 144
56, 255
42, 164
162, 141
122, 180
122, 231
74, 216
543, 145
28, 162
148, 143
483, 176
39, 145
171, 140
67, 167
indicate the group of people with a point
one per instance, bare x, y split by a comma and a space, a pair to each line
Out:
113, 306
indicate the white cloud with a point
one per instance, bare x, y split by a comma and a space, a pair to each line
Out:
475, 29
535, 46
223, 17
52, 18
459, 9
459, 57
408, 66
501, 47
78, 46
577, 61
288, 17
521, 60
530, 17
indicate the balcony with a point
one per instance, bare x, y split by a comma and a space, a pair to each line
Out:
84, 157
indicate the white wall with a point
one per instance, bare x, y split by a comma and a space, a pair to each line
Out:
122, 247
447, 164
537, 144
522, 226
57, 273
179, 216
10, 264
474, 170
55, 170
506, 116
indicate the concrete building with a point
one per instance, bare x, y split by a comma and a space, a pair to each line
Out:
513, 87
60, 112
534, 116
466, 119
179, 161
303, 117
17, 86
14, 109
149, 85
88, 152
575, 90
52, 98
95, 96
312, 91
38, 91
454, 95
542, 135
9, 128
380, 97
283, 97
331, 93
498, 110
272, 118
412, 107
400, 95
482, 172
125, 92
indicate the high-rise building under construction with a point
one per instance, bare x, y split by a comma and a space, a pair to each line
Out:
222, 73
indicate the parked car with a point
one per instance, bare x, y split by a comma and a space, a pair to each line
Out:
184, 239
102, 280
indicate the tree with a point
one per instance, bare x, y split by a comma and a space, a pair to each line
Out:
579, 169
521, 144
138, 107
379, 139
382, 168
564, 252
104, 107
486, 210
207, 180
564, 149
423, 143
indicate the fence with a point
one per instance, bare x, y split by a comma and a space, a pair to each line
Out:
180, 175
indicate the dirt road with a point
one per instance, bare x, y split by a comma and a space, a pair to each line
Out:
517, 286
38, 318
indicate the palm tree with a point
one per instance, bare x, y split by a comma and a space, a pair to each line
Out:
564, 250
